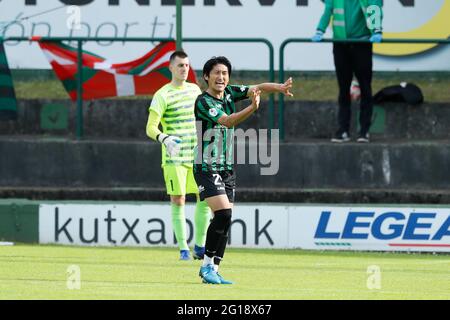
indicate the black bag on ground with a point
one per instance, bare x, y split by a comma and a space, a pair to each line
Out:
404, 92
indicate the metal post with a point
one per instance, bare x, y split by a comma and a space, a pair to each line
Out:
281, 96
79, 123
179, 24
271, 96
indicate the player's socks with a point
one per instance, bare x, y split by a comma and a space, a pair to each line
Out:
201, 219
219, 224
223, 241
179, 226
221, 247
207, 261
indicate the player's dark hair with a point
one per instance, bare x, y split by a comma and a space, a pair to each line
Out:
214, 61
179, 53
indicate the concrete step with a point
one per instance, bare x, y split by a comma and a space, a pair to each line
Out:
273, 195
310, 164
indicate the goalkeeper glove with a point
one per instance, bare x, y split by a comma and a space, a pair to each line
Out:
318, 36
172, 144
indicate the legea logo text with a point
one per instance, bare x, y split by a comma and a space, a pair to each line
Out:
387, 226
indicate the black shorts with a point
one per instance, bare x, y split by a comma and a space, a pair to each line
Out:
212, 184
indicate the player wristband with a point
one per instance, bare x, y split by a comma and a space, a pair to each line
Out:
161, 137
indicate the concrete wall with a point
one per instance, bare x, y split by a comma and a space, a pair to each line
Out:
307, 119
407, 160
68, 163
304, 119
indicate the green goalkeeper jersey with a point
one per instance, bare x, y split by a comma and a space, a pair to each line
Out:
175, 105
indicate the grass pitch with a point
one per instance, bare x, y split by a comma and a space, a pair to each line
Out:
40, 272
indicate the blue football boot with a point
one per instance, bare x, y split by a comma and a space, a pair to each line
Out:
223, 281
185, 255
208, 275
199, 252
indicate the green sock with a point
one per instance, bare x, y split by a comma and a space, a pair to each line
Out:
179, 226
202, 217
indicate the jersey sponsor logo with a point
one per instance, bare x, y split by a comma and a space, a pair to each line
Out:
229, 97
242, 88
201, 189
213, 112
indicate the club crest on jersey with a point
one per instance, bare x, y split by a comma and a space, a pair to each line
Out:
242, 88
229, 97
213, 112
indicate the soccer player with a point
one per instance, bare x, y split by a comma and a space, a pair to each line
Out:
216, 116
173, 107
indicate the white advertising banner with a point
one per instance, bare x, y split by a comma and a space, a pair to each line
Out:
274, 20
318, 227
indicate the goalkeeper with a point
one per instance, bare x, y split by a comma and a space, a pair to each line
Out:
173, 107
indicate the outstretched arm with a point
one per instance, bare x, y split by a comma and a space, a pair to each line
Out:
269, 87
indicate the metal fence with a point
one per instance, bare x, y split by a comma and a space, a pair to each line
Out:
283, 45
81, 40
281, 75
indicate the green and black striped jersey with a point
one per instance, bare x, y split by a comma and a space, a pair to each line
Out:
214, 151
175, 105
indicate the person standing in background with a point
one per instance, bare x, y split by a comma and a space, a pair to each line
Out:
353, 19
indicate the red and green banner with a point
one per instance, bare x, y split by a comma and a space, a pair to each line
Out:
8, 102
102, 78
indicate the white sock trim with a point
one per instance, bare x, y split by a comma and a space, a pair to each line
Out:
207, 260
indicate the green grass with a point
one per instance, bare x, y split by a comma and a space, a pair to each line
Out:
307, 86
39, 272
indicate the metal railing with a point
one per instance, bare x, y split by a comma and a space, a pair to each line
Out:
271, 121
306, 40
80, 40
